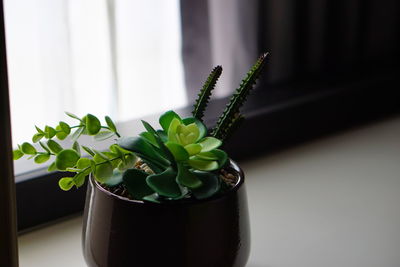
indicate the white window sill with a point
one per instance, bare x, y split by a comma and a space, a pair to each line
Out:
332, 202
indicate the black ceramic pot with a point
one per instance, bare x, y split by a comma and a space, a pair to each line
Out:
119, 232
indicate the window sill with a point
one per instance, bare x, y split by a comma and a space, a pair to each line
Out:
336, 197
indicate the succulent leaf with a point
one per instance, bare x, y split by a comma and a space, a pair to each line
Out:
209, 143
200, 125
141, 146
203, 165
166, 119
178, 151
164, 183
135, 182
152, 198
193, 149
210, 184
149, 137
187, 178
160, 143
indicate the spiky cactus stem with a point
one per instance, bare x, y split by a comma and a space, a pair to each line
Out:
229, 118
233, 126
205, 93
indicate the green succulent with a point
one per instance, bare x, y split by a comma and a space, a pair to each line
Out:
187, 141
177, 153
182, 159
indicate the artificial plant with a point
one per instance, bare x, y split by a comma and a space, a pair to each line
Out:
182, 159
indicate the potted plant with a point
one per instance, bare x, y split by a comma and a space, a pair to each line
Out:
168, 197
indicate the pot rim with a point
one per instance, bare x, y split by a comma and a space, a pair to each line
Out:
232, 164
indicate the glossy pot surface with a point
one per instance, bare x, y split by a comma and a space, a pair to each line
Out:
119, 232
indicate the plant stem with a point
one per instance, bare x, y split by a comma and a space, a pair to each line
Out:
108, 128
103, 162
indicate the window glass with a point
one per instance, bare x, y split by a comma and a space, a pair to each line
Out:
119, 58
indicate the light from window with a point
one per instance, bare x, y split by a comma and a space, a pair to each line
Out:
120, 58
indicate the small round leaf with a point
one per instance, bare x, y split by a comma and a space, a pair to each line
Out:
65, 127
52, 167
27, 148
66, 159
88, 150
76, 147
50, 132
103, 171
54, 146
39, 130
103, 135
17, 154
92, 124
60, 133
79, 179
110, 124
66, 183
78, 133
72, 115
37, 137
42, 158
83, 163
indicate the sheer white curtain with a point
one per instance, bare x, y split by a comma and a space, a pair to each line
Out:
115, 57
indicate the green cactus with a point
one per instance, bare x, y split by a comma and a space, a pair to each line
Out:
205, 93
231, 112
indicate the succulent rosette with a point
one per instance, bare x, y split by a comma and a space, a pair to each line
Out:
183, 158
